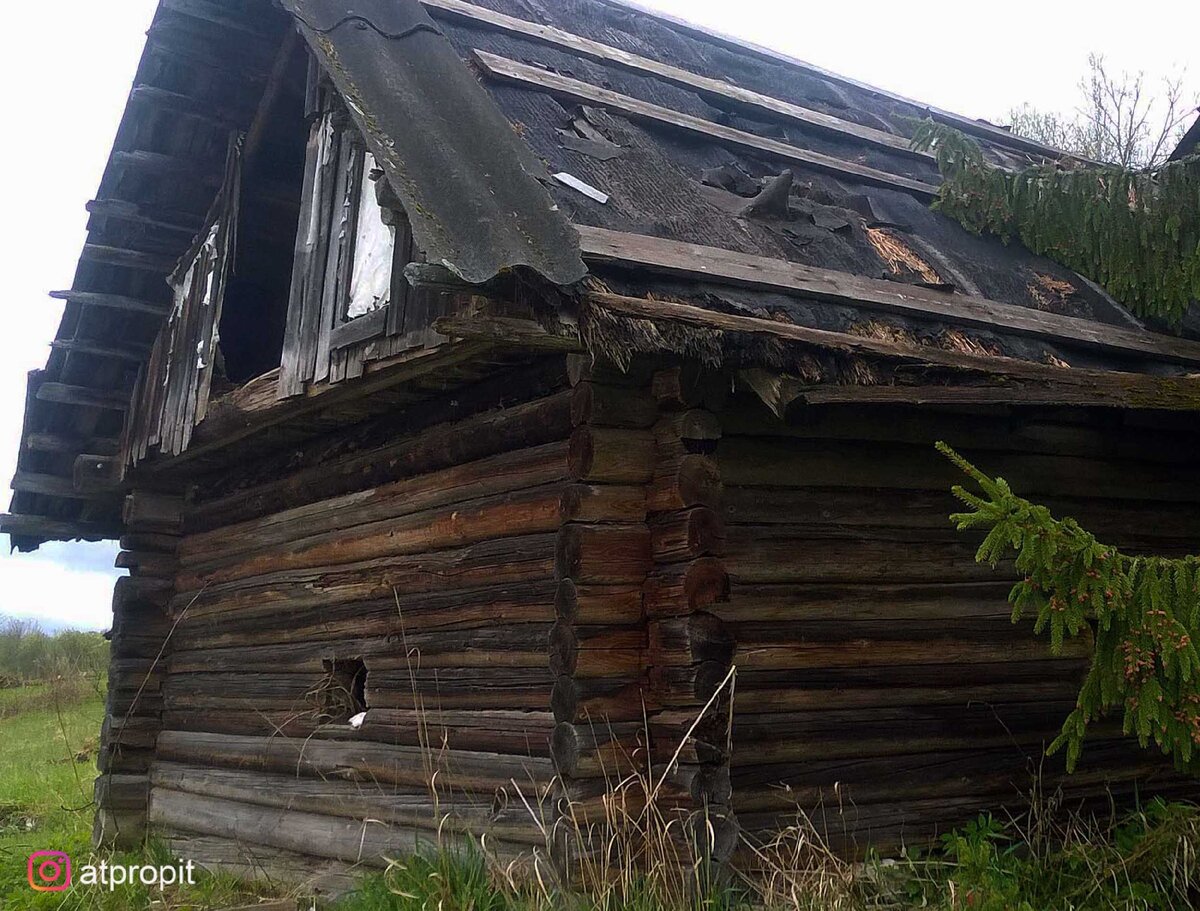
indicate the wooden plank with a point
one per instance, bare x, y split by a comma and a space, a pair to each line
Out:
186, 105
129, 259
709, 88
170, 165
50, 485
995, 134
55, 529
100, 349
113, 302
183, 222
1016, 381
724, 266
581, 92
53, 442
217, 14
63, 394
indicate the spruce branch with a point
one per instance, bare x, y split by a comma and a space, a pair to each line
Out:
1134, 231
1142, 615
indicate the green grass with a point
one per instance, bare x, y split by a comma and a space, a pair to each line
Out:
47, 766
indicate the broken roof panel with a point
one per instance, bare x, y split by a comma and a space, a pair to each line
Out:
469, 185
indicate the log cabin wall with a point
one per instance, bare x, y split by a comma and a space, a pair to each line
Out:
425, 546
881, 685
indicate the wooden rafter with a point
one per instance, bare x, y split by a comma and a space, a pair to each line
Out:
581, 92
112, 302
773, 108
723, 266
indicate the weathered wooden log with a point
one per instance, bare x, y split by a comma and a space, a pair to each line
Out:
417, 808
491, 518
353, 841
689, 386
118, 829
598, 750
526, 558
585, 368
596, 651
595, 605
147, 564
880, 601
686, 535
600, 700
612, 406
121, 791
602, 554
689, 480
695, 430
611, 456
150, 541
679, 589
372, 763
327, 617
148, 511
509, 471
259, 863
603, 503
522, 426
695, 638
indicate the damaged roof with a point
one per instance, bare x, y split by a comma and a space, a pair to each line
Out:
567, 137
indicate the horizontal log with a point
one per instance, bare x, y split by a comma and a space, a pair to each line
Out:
526, 558
849, 603
698, 637
50, 485
322, 616
591, 503
405, 766
528, 512
101, 349
686, 535
602, 554
600, 700
691, 479
258, 863
121, 791
596, 651
150, 511
689, 386
612, 406
56, 529
611, 456
113, 302
352, 800
596, 605
608, 751
435, 448
506, 472
84, 396
128, 259
679, 589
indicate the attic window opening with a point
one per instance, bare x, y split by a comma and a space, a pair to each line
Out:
342, 692
373, 244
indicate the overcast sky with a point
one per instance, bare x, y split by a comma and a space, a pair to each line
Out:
69, 65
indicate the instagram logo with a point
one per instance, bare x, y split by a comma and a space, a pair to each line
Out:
49, 871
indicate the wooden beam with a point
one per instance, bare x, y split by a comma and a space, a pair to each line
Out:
1011, 380
216, 14
96, 474
580, 92
100, 349
128, 259
50, 485
53, 442
113, 302
185, 105
457, 10
63, 394
55, 529
994, 134
183, 222
272, 91
712, 264
171, 165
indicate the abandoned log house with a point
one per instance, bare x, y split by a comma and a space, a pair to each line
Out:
484, 388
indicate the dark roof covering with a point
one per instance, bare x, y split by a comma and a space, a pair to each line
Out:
1189, 144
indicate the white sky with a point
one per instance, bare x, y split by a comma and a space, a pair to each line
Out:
69, 65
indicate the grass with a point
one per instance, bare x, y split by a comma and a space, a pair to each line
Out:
47, 767
632, 860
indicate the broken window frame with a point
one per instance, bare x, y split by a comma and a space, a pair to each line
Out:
336, 177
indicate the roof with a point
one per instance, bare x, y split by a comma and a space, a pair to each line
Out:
1189, 144
699, 169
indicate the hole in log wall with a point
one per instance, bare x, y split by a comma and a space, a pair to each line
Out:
342, 693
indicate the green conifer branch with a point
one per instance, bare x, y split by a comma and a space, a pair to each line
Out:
1136, 232
1142, 614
